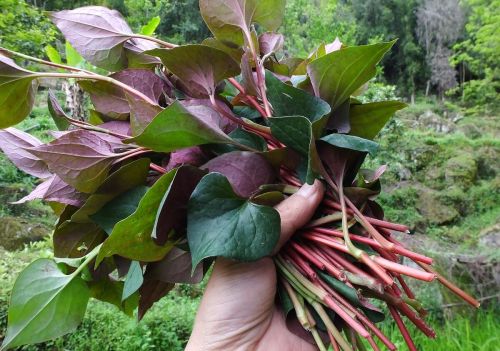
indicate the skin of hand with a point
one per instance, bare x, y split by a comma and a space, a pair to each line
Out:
237, 311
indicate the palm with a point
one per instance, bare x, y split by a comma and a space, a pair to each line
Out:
237, 311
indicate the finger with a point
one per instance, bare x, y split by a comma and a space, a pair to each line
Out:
298, 209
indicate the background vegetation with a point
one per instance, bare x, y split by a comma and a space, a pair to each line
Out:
442, 152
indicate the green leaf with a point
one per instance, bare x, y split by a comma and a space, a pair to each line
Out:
58, 115
17, 92
296, 132
222, 224
199, 67
351, 142
133, 281
111, 291
337, 75
289, 101
176, 128
367, 120
150, 27
227, 19
351, 294
53, 54
242, 137
127, 177
73, 58
45, 304
131, 237
119, 208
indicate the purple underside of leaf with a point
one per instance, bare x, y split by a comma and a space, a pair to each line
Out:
55, 189
120, 127
81, 158
13, 143
204, 109
172, 211
150, 292
246, 171
193, 156
175, 268
270, 42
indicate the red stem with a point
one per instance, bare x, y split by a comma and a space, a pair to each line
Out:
250, 98
402, 329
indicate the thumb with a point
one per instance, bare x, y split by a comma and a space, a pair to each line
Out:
298, 209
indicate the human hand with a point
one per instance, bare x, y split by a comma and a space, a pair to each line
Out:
237, 311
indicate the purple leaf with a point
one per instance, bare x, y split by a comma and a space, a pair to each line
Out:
193, 156
81, 158
76, 239
13, 143
203, 109
172, 211
334, 46
111, 101
150, 292
270, 42
120, 127
55, 189
98, 34
199, 67
141, 114
175, 268
246, 171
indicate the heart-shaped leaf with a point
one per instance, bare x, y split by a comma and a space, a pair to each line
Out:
97, 33
172, 211
45, 304
199, 67
131, 237
351, 142
296, 132
54, 189
220, 223
287, 100
176, 128
80, 158
367, 120
229, 19
246, 171
13, 143
337, 75
17, 92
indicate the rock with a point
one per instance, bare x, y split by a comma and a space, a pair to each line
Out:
471, 131
461, 170
430, 120
434, 209
488, 162
490, 237
15, 232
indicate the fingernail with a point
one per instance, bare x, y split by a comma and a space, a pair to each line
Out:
307, 190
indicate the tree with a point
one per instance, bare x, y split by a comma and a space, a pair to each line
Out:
390, 19
24, 28
439, 25
478, 53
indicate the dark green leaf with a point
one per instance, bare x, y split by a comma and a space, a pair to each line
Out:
367, 120
199, 67
17, 92
133, 281
222, 224
76, 239
131, 237
119, 208
351, 142
289, 101
127, 177
340, 73
296, 132
242, 137
45, 304
111, 291
176, 128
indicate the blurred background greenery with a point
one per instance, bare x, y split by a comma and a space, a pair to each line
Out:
442, 152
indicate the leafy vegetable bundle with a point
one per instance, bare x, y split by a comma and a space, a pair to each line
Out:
185, 153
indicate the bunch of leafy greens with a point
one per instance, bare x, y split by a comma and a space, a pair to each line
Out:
173, 166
